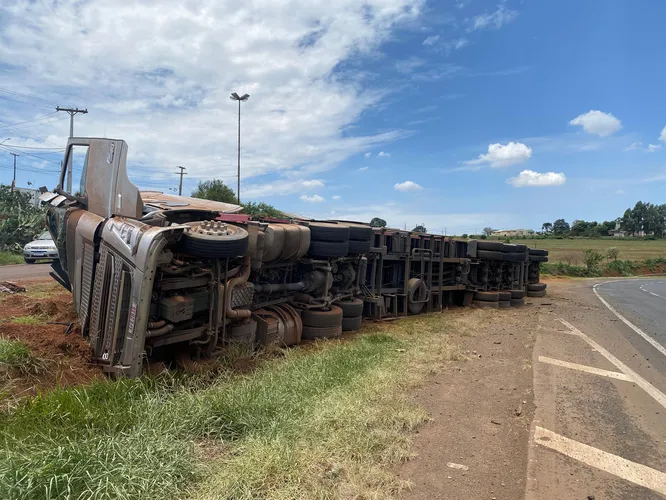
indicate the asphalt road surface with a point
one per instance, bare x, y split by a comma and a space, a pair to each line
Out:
24, 272
599, 361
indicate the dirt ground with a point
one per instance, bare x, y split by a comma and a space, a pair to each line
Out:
67, 355
476, 445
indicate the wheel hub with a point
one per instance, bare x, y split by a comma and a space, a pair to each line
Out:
212, 228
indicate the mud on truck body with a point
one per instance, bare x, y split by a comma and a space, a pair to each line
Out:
155, 276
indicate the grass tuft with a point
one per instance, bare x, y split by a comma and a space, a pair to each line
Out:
29, 319
16, 358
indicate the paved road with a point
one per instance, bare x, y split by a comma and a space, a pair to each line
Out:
600, 390
21, 272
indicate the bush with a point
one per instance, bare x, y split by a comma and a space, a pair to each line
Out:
20, 221
592, 259
571, 259
612, 253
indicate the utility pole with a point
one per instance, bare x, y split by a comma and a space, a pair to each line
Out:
14, 180
72, 112
236, 97
180, 184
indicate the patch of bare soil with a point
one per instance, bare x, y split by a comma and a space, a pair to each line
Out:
477, 442
67, 355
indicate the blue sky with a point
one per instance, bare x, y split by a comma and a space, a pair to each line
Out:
457, 114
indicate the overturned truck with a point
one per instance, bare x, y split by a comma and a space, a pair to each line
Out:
154, 276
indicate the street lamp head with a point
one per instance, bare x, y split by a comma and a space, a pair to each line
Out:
235, 97
245, 97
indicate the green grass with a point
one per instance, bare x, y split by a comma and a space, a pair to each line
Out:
316, 423
571, 251
16, 358
7, 258
29, 319
607, 268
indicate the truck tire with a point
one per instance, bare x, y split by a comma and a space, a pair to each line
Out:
495, 246
536, 287
517, 302
541, 293
328, 231
214, 242
483, 304
518, 257
324, 332
351, 324
329, 248
538, 258
504, 296
538, 251
486, 296
351, 308
490, 255
356, 246
509, 248
517, 294
504, 304
359, 232
320, 318
521, 248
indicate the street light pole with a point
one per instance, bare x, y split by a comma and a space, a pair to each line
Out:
235, 97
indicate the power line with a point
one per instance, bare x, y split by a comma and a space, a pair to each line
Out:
28, 154
39, 118
32, 147
26, 96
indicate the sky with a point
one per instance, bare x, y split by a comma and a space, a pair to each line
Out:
457, 114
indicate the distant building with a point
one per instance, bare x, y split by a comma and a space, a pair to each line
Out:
34, 195
512, 233
619, 233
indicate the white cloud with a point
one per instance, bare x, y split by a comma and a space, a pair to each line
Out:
382, 154
315, 183
431, 40
368, 155
363, 169
315, 198
335, 197
662, 136
280, 187
633, 146
407, 66
529, 178
407, 186
500, 155
159, 75
620, 191
652, 148
598, 122
493, 20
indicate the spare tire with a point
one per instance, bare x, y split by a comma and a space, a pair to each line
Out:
351, 308
536, 287
329, 248
357, 247
328, 231
486, 296
320, 318
213, 240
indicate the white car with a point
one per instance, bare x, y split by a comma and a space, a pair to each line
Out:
40, 249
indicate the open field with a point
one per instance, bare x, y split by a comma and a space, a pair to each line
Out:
571, 250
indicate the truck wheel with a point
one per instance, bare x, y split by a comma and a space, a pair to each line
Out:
328, 332
489, 255
509, 248
538, 258
356, 246
542, 293
351, 324
517, 302
537, 251
320, 318
351, 308
329, 248
214, 240
517, 294
495, 246
504, 296
503, 304
536, 287
360, 232
417, 290
486, 296
328, 231
483, 304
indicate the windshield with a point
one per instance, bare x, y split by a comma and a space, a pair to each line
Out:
45, 236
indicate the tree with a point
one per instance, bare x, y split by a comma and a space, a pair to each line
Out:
612, 253
488, 231
261, 209
627, 222
420, 229
377, 222
214, 190
20, 220
561, 227
547, 227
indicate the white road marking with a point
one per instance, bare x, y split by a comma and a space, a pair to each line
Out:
584, 368
636, 473
655, 393
640, 332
